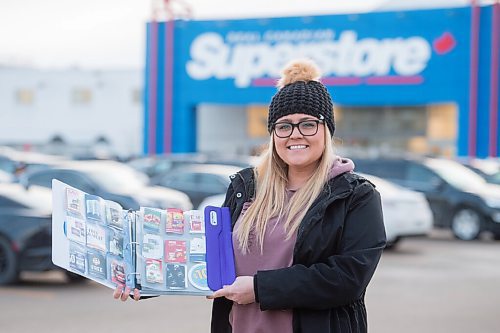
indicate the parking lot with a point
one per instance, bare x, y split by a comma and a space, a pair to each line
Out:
436, 284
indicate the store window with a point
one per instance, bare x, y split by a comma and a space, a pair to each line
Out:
81, 96
25, 96
395, 130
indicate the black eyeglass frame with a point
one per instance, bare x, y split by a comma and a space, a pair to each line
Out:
297, 125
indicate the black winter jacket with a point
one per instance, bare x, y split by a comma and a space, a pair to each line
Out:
339, 244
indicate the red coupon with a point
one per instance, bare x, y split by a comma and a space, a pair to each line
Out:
175, 251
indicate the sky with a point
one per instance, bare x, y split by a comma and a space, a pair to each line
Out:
101, 34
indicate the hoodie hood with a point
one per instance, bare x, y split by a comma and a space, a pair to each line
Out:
340, 165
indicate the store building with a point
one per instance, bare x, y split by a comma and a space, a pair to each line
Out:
424, 81
72, 111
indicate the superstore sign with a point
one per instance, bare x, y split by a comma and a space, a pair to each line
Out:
247, 56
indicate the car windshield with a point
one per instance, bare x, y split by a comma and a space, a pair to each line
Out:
456, 174
112, 178
494, 178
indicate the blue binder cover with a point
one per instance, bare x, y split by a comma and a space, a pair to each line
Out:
220, 256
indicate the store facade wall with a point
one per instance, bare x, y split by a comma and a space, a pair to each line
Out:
417, 65
83, 109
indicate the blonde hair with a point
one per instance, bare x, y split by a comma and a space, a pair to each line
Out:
270, 197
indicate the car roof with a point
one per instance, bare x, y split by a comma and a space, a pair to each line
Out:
30, 157
197, 158
218, 169
92, 165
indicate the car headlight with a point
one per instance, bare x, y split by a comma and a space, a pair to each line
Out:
492, 202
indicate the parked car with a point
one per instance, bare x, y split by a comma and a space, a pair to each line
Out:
155, 166
198, 181
17, 162
458, 197
489, 169
111, 181
396, 202
25, 231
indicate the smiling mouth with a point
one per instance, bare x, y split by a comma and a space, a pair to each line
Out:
297, 147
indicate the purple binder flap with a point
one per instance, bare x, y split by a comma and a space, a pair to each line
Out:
220, 257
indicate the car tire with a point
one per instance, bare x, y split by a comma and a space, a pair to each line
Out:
466, 224
391, 245
9, 271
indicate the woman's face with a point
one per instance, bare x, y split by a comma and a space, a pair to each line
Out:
299, 151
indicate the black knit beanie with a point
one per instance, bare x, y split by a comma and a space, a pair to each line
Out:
301, 92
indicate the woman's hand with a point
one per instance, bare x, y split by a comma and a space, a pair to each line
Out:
241, 291
122, 294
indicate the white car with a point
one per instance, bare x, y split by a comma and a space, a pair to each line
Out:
406, 212
111, 181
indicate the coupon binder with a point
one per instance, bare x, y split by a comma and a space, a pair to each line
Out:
220, 257
158, 251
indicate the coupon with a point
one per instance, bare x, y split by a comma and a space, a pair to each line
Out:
113, 211
195, 220
97, 264
77, 259
93, 208
175, 251
96, 237
154, 271
175, 221
152, 246
197, 249
176, 276
117, 272
74, 202
76, 229
152, 220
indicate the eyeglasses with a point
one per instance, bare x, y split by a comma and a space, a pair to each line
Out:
306, 128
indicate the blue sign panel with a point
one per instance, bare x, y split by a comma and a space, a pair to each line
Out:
362, 57
394, 58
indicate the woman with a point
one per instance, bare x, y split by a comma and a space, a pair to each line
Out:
308, 233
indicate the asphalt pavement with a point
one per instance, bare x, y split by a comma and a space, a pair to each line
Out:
434, 284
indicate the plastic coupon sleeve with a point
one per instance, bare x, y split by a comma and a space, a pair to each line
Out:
158, 251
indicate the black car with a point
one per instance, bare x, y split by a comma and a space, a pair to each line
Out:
198, 181
25, 231
458, 197
111, 181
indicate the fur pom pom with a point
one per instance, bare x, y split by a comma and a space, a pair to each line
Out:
299, 70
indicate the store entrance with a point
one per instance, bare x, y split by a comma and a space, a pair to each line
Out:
395, 130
